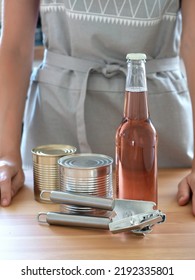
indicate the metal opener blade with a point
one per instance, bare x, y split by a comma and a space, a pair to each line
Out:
139, 223
126, 215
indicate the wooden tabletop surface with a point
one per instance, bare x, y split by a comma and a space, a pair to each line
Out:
22, 237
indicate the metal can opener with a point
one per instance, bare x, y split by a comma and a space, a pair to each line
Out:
125, 215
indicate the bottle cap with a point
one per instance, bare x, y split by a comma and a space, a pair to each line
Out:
136, 56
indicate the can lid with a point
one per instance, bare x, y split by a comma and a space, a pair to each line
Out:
54, 150
85, 161
136, 56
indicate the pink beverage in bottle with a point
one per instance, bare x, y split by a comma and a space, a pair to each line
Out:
136, 139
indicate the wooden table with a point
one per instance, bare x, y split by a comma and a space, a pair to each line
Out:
22, 237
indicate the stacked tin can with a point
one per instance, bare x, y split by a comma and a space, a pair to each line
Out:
86, 174
46, 169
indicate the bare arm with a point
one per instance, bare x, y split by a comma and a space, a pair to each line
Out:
16, 54
187, 185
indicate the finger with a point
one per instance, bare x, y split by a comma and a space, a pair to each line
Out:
193, 203
5, 188
184, 192
17, 182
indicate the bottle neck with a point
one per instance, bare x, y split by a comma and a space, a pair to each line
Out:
136, 105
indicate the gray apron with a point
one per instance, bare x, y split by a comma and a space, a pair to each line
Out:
76, 95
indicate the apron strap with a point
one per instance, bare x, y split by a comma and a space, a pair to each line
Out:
80, 113
162, 65
83, 65
80, 117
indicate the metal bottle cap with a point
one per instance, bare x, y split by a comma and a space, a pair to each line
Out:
136, 56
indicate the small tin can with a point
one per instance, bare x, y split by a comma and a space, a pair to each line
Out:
45, 167
87, 174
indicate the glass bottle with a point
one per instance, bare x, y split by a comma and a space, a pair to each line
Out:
136, 138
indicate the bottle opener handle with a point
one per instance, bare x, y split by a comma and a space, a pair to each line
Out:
78, 199
54, 218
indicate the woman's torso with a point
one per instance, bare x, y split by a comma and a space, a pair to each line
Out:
103, 32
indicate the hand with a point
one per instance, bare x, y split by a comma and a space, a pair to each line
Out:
11, 180
186, 190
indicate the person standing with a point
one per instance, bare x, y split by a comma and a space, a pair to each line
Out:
80, 82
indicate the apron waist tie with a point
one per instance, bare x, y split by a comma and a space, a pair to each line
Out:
107, 70
83, 65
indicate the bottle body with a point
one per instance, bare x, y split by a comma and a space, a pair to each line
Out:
136, 149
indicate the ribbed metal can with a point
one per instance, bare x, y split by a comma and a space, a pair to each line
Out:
46, 168
86, 174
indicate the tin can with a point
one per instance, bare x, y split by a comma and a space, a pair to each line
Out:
87, 174
46, 168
